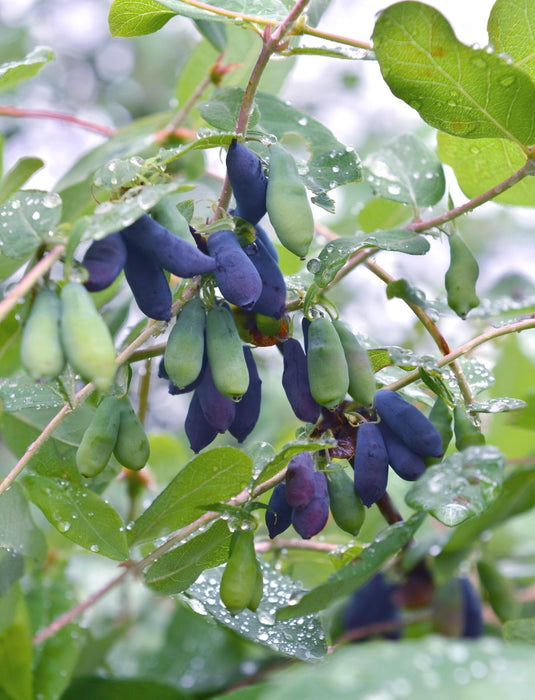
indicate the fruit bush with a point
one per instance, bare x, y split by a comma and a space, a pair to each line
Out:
255, 413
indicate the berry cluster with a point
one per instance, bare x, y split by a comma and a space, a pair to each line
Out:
302, 500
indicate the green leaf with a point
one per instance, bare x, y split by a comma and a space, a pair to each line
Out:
382, 213
136, 17
264, 9
480, 164
10, 336
344, 581
517, 496
16, 655
15, 72
18, 532
80, 515
406, 171
511, 28
460, 486
330, 164
178, 569
302, 638
215, 33
520, 630
28, 219
281, 458
109, 689
57, 662
458, 89
419, 669
15, 178
23, 392
336, 253
216, 475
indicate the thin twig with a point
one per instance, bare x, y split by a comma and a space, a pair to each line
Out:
47, 114
29, 280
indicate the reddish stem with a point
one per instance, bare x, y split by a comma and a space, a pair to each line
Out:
47, 114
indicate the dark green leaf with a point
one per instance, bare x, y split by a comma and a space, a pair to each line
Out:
216, 475
13, 180
178, 569
11, 569
511, 28
403, 289
456, 88
344, 581
461, 486
109, 689
336, 253
136, 17
214, 32
15, 72
10, 336
80, 515
265, 9
27, 219
302, 638
222, 112
406, 171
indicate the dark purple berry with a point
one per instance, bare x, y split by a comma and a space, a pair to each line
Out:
235, 274
199, 432
472, 611
407, 464
372, 604
172, 253
261, 235
371, 464
272, 300
300, 483
248, 182
104, 260
218, 409
248, 408
311, 519
408, 423
295, 382
148, 283
279, 518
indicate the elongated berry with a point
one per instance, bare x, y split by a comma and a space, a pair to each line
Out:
372, 603
371, 464
218, 409
172, 253
272, 299
472, 610
360, 370
184, 351
225, 353
408, 423
248, 182
300, 483
104, 261
41, 350
407, 464
247, 410
326, 363
198, 431
295, 382
279, 518
346, 507
235, 274
261, 234
148, 283
311, 519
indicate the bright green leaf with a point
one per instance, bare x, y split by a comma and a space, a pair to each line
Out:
382, 213
520, 630
406, 171
136, 17
80, 515
15, 72
302, 639
348, 578
511, 28
15, 178
10, 336
461, 486
178, 569
456, 88
213, 476
480, 164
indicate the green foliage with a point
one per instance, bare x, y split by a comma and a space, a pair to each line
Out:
207, 599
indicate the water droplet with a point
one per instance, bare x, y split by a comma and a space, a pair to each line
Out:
508, 80
36, 216
16, 204
302, 121
64, 526
314, 265
94, 548
393, 189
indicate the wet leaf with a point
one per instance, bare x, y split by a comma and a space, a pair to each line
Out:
27, 219
14, 72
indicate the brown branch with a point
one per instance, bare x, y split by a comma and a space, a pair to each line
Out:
47, 114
